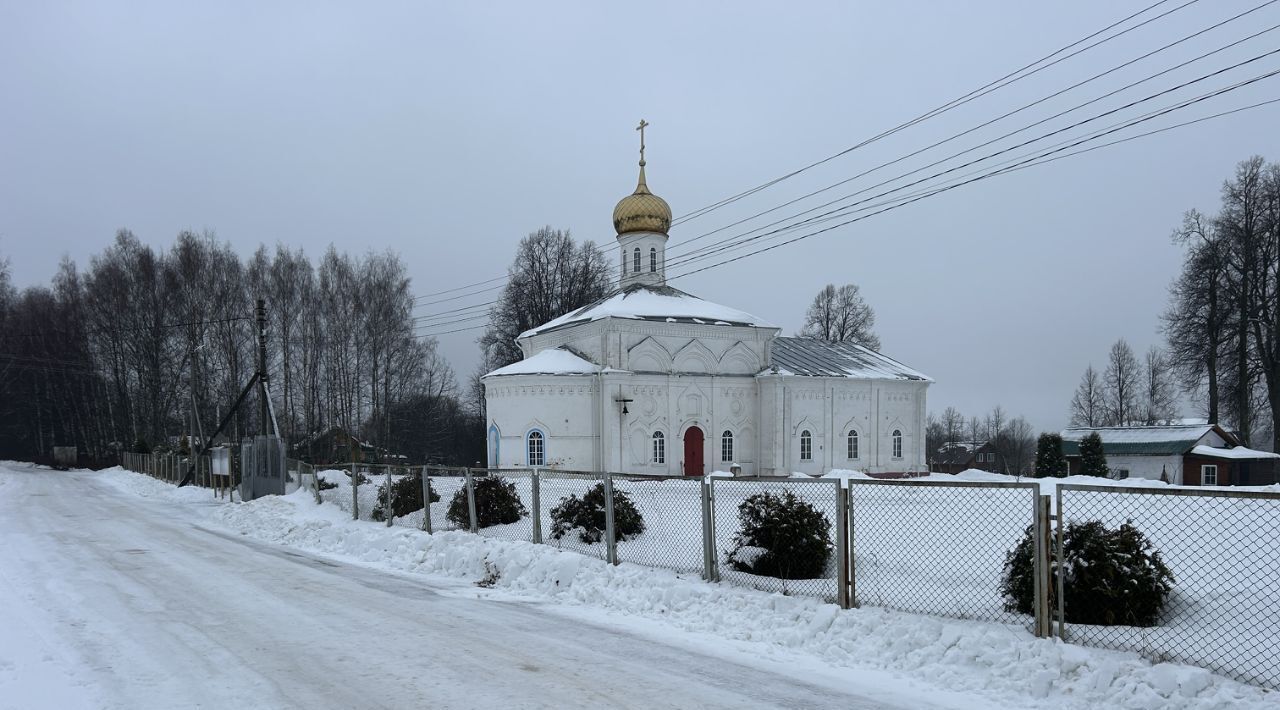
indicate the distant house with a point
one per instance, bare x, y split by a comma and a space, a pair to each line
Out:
1183, 454
957, 456
334, 445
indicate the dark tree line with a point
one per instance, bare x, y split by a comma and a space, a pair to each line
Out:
1013, 440
1223, 321
123, 354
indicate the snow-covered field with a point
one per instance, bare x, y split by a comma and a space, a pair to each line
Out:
770, 640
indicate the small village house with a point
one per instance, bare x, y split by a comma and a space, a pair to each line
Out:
1182, 454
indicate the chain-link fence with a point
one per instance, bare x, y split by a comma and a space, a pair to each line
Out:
779, 535
937, 548
450, 508
170, 468
504, 503
1221, 548
560, 494
929, 547
659, 520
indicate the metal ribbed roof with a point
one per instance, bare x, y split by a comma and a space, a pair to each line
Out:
809, 357
1138, 440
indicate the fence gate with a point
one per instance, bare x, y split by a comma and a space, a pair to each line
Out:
262, 467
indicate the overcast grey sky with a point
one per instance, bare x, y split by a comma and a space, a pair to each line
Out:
448, 132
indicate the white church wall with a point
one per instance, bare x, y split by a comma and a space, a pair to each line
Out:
561, 407
827, 408
672, 404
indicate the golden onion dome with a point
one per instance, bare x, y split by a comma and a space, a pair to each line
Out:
642, 211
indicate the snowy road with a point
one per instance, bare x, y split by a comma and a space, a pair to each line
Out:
112, 601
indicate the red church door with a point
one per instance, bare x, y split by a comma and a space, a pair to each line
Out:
693, 452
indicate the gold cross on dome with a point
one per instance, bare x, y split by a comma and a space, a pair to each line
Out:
641, 127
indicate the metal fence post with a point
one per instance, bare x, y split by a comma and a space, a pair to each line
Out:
711, 559
536, 481
1044, 622
426, 500
850, 530
842, 545
471, 501
1060, 560
355, 492
610, 534
390, 512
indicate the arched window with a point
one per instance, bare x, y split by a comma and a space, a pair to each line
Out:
726, 446
535, 449
897, 443
659, 447
853, 445
624, 260
635, 260
653, 259
806, 446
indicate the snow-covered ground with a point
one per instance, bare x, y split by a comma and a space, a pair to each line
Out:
136, 594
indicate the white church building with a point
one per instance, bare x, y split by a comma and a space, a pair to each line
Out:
653, 380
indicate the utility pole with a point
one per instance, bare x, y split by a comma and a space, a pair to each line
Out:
263, 413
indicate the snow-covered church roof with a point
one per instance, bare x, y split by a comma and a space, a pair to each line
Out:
652, 303
553, 361
817, 358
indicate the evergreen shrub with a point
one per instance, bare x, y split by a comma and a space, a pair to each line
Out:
781, 536
497, 503
1113, 577
406, 497
1093, 461
586, 516
1050, 461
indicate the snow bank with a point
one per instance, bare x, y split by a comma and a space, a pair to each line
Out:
1003, 664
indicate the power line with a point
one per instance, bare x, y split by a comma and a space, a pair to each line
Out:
988, 88
1022, 162
712, 250
960, 101
731, 244
984, 176
104, 331
1006, 115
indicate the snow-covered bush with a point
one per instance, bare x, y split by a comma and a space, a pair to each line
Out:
1113, 577
782, 536
497, 503
586, 516
406, 497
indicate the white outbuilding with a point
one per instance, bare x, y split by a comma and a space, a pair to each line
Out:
651, 379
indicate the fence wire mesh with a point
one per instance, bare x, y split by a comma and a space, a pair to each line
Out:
560, 493
670, 510
1221, 546
449, 511
749, 551
937, 547
504, 503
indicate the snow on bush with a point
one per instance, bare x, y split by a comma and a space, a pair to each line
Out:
1113, 577
585, 516
406, 497
497, 503
781, 536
